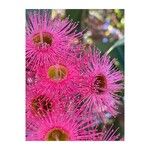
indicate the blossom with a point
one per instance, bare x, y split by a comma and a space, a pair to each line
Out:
101, 82
63, 127
40, 103
72, 90
60, 76
68, 127
46, 37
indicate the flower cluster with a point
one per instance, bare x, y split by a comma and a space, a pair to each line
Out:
70, 88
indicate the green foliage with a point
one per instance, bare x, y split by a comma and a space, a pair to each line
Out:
74, 14
117, 51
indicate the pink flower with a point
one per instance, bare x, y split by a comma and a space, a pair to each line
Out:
46, 38
62, 127
60, 76
100, 83
70, 91
40, 103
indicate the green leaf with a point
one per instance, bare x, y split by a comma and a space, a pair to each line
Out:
118, 43
103, 47
117, 52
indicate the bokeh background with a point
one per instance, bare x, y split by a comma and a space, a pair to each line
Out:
103, 28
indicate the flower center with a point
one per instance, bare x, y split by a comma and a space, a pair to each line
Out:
57, 72
99, 84
41, 105
42, 38
57, 135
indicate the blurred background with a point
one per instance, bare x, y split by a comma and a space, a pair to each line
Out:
105, 29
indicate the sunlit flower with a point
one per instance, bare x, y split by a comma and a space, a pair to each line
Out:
63, 127
100, 83
73, 91
61, 75
46, 37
